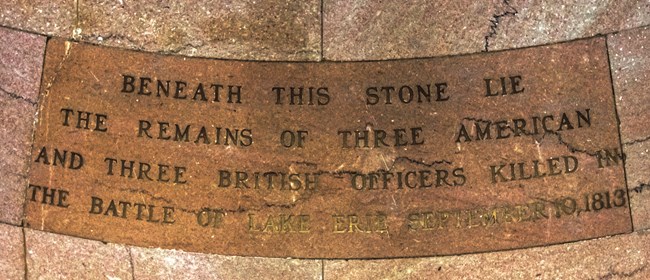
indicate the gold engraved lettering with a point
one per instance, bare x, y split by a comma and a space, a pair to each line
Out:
281, 223
369, 223
506, 214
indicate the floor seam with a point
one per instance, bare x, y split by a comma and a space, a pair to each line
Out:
25, 252
322, 27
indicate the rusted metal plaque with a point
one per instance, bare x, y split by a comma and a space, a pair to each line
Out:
329, 160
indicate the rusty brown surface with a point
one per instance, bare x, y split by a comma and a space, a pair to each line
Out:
474, 213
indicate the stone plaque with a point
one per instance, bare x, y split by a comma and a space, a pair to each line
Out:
400, 158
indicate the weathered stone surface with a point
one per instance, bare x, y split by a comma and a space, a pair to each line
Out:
618, 257
172, 264
541, 22
241, 29
12, 255
52, 17
638, 177
355, 30
362, 30
16, 127
21, 57
55, 256
438, 187
630, 61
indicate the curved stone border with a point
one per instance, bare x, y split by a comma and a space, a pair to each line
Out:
53, 256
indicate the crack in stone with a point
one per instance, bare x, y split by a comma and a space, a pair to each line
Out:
286, 206
559, 138
640, 188
340, 173
136, 45
17, 97
186, 46
496, 20
131, 262
239, 210
418, 162
147, 193
113, 37
636, 141
611, 274
569, 146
